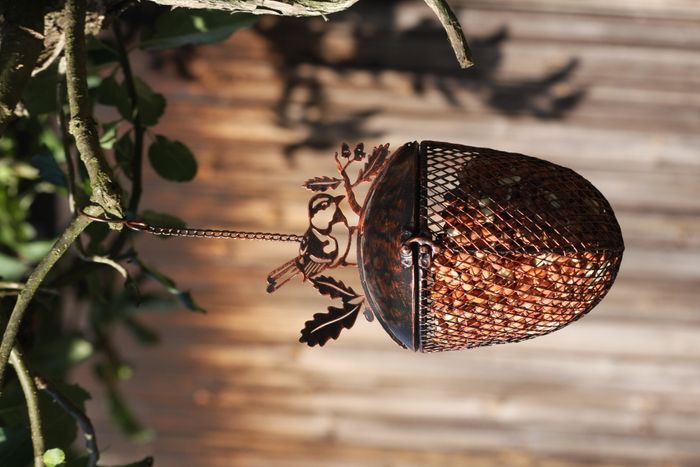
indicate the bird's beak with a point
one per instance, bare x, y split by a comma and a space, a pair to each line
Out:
338, 199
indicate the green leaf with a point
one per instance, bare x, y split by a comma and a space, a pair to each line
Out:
54, 457
172, 160
126, 420
34, 251
57, 356
142, 333
184, 296
97, 231
187, 300
124, 154
11, 268
183, 26
99, 53
151, 104
15, 444
112, 94
109, 135
59, 428
48, 168
39, 96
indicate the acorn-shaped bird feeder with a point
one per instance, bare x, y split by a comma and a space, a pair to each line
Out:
457, 246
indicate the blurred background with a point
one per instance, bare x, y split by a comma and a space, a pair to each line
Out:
608, 88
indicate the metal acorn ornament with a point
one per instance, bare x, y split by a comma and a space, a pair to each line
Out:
457, 246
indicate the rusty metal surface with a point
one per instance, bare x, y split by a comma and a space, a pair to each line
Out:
527, 247
388, 213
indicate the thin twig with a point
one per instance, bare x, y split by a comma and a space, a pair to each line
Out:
29, 390
22, 41
74, 411
34, 281
18, 286
136, 163
74, 197
454, 31
137, 157
82, 125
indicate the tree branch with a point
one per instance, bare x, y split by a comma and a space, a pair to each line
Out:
29, 390
22, 42
75, 198
35, 279
81, 419
441, 8
268, 7
454, 31
82, 126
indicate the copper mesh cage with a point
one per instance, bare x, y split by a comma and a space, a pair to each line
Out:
526, 247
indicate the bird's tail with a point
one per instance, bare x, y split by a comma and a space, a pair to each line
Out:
283, 274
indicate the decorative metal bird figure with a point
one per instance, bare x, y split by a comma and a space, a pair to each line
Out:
319, 248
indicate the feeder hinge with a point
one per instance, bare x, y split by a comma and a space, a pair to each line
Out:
426, 249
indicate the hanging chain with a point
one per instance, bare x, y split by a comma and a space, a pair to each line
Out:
141, 226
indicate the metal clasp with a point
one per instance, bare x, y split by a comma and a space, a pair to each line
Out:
427, 248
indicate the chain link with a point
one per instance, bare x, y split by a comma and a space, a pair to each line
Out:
213, 233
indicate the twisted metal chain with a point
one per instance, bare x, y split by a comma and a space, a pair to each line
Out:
141, 226
213, 233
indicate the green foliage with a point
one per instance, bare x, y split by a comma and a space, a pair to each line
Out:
48, 168
59, 428
151, 104
185, 297
106, 277
39, 96
172, 160
54, 457
99, 53
113, 94
180, 27
124, 154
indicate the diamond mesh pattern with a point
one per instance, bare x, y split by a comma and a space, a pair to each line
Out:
527, 247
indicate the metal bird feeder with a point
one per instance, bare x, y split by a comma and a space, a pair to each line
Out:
457, 246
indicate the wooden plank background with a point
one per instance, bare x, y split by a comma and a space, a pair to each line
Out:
608, 88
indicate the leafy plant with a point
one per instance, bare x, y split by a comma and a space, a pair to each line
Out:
38, 164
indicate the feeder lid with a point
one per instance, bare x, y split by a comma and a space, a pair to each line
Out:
391, 209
